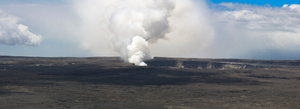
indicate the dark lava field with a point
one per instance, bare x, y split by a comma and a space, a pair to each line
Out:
166, 83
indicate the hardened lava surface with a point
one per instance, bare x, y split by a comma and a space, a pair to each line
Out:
166, 83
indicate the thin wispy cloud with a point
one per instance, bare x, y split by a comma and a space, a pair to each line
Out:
259, 31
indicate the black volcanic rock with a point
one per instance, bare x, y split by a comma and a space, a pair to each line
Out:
166, 83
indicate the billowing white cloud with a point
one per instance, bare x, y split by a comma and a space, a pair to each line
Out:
292, 7
12, 33
185, 31
258, 31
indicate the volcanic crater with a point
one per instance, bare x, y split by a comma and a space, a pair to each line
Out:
166, 83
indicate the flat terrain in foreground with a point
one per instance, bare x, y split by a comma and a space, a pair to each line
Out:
167, 83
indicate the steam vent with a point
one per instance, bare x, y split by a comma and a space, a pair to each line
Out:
219, 63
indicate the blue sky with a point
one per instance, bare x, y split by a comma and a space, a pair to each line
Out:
250, 32
278, 3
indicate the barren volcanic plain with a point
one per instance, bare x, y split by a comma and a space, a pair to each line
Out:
166, 83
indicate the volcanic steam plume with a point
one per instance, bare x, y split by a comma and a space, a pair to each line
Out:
135, 23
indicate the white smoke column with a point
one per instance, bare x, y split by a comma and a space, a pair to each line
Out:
183, 25
134, 23
138, 51
12, 33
